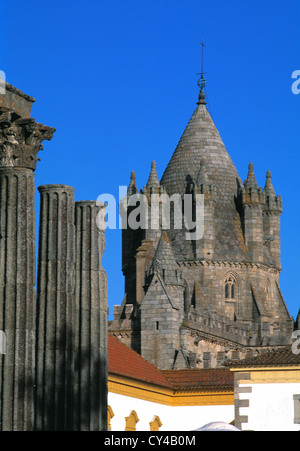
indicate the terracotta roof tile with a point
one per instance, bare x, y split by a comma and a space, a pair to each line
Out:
200, 379
124, 361
277, 357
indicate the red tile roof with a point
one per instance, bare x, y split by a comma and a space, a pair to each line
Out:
200, 379
277, 357
124, 361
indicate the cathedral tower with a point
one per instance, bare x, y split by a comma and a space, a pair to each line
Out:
224, 297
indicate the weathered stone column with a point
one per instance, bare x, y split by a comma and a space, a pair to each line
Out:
55, 301
20, 142
90, 333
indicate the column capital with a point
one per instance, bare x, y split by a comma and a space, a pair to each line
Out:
21, 139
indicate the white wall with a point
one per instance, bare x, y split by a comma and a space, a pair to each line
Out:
172, 418
271, 407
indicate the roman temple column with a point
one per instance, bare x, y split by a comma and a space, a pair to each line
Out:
55, 302
90, 321
20, 142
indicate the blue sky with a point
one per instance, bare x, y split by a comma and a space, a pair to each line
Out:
118, 81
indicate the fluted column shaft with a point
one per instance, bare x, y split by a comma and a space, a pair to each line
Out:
17, 297
21, 140
55, 300
90, 333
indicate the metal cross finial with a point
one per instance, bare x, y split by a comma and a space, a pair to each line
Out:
202, 82
202, 44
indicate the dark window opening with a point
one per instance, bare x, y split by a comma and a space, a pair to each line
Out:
230, 288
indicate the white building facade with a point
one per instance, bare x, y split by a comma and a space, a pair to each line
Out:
167, 418
267, 392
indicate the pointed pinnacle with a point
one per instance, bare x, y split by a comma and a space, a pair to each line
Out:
269, 188
132, 188
153, 181
250, 181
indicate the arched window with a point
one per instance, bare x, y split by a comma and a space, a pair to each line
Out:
131, 421
230, 287
155, 424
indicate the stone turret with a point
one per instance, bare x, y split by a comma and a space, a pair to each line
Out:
152, 191
131, 240
252, 198
271, 220
162, 308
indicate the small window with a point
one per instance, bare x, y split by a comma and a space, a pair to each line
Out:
297, 409
221, 356
206, 360
226, 291
230, 287
156, 325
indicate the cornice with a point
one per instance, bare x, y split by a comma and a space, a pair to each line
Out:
228, 264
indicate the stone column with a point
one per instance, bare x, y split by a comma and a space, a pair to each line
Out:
90, 333
20, 142
55, 301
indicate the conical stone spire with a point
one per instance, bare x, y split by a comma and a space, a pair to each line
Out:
252, 194
132, 188
201, 141
269, 188
273, 202
153, 182
250, 181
